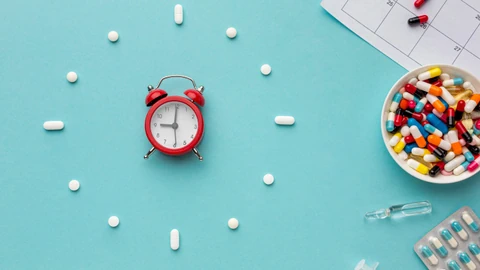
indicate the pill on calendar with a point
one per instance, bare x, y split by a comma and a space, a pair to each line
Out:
284, 120
74, 185
419, 3
113, 221
233, 223
53, 125
418, 20
178, 14
174, 239
113, 36
231, 32
72, 76
268, 179
266, 69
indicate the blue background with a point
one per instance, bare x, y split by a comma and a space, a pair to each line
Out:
330, 167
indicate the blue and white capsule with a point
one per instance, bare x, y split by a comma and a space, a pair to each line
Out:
390, 119
462, 168
468, 155
475, 250
447, 236
428, 254
433, 130
441, 250
469, 220
465, 259
452, 82
395, 102
453, 265
409, 96
459, 230
420, 105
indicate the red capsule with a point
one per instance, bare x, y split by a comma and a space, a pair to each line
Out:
428, 108
409, 139
410, 88
443, 118
404, 121
418, 116
419, 3
440, 164
418, 20
398, 117
403, 104
462, 131
438, 83
450, 117
459, 111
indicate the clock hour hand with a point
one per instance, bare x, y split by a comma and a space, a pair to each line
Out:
166, 125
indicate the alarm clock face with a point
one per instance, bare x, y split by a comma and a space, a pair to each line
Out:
174, 125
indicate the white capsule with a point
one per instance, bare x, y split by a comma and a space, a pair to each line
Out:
53, 125
233, 223
394, 140
413, 81
470, 106
403, 155
113, 221
178, 14
471, 266
174, 239
476, 140
405, 131
74, 185
469, 220
415, 132
475, 115
284, 120
231, 32
408, 96
444, 77
430, 158
452, 136
447, 96
72, 76
416, 151
468, 85
423, 86
113, 36
450, 155
454, 163
444, 145
266, 69
268, 179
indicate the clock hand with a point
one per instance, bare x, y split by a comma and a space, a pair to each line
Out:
166, 125
175, 117
175, 134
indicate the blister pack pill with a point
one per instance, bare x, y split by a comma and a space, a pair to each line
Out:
453, 244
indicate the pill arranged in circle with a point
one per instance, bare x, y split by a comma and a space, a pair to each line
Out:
113, 221
72, 76
178, 14
268, 179
233, 223
174, 239
231, 32
74, 185
53, 125
266, 69
113, 36
285, 120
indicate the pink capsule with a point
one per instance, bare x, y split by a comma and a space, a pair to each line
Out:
411, 104
443, 172
474, 165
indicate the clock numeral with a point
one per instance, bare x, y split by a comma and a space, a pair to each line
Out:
167, 109
193, 116
174, 145
155, 124
177, 106
195, 127
159, 115
186, 109
158, 135
164, 141
191, 136
184, 142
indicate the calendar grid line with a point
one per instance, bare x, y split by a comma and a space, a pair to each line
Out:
470, 6
395, 2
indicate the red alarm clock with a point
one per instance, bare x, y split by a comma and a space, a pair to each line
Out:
174, 125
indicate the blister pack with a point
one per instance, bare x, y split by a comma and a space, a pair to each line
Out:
453, 244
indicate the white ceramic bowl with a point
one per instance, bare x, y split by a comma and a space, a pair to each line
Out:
454, 72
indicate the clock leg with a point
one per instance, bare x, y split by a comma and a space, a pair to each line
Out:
195, 151
149, 153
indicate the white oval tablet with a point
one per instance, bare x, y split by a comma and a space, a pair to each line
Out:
113, 36
266, 69
174, 239
284, 120
113, 221
53, 125
233, 223
268, 179
74, 185
178, 14
72, 76
231, 32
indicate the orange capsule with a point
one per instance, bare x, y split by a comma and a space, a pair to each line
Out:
437, 141
429, 88
403, 104
437, 104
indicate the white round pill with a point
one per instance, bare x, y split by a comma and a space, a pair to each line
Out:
74, 185
113, 36
266, 69
233, 223
113, 221
72, 77
268, 179
231, 32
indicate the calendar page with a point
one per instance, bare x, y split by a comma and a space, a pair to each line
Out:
451, 35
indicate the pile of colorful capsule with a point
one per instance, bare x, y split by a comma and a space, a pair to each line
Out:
432, 122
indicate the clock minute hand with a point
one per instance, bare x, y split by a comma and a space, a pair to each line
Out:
175, 117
